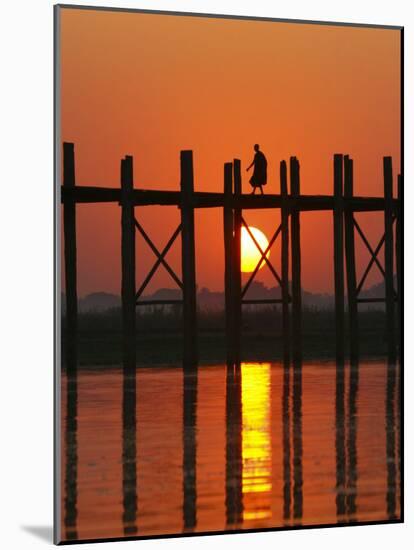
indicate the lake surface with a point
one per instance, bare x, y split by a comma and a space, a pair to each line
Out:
239, 447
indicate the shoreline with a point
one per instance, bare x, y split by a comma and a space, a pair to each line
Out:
104, 350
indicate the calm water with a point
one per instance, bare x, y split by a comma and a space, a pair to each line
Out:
229, 448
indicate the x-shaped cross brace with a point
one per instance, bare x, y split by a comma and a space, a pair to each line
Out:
263, 256
374, 255
160, 258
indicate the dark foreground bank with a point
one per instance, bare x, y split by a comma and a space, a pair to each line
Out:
159, 336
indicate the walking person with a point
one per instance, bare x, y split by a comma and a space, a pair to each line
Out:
259, 177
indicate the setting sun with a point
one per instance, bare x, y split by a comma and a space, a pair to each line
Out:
250, 254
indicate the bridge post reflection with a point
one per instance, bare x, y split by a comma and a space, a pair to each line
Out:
351, 446
234, 494
292, 442
129, 448
392, 454
340, 440
297, 443
346, 441
190, 384
287, 488
71, 443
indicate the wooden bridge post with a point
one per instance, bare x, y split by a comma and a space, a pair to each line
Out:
285, 261
297, 344
69, 231
128, 265
398, 260
389, 257
296, 264
237, 260
339, 257
188, 261
228, 260
350, 260
128, 296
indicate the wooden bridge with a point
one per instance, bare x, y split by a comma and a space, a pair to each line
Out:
342, 203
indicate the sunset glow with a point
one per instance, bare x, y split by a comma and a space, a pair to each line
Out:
219, 110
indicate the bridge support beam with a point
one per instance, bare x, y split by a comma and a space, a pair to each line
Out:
296, 264
237, 304
69, 235
228, 224
338, 238
128, 289
399, 261
389, 258
350, 262
285, 262
190, 354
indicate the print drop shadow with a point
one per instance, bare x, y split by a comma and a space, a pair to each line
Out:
42, 532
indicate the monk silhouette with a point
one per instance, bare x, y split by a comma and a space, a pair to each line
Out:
259, 177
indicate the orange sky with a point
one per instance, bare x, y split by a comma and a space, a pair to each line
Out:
151, 85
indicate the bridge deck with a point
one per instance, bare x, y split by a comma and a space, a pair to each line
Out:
203, 199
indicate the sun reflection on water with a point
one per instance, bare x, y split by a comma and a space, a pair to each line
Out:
256, 441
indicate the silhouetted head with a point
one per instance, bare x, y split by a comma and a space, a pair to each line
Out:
256, 147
